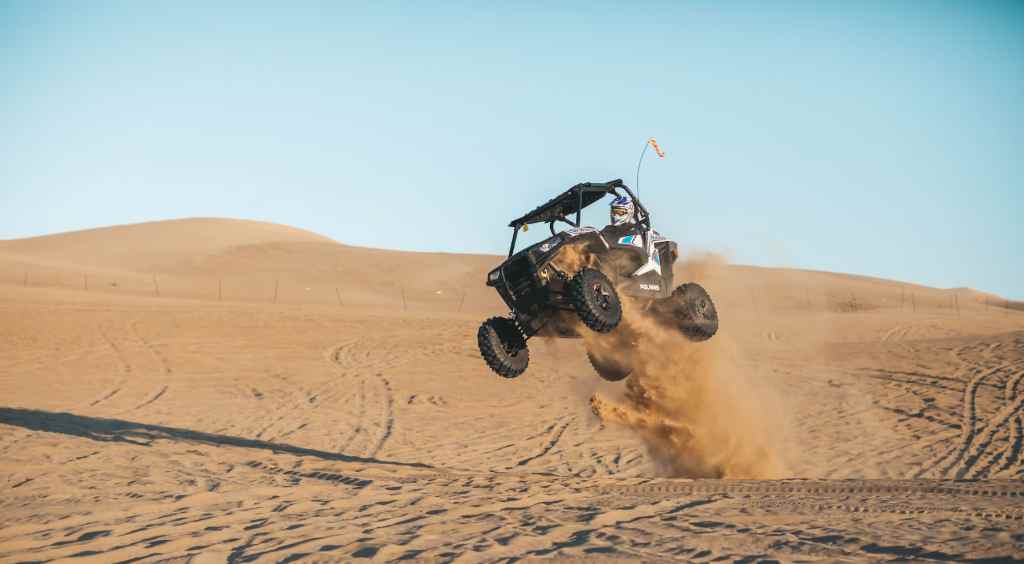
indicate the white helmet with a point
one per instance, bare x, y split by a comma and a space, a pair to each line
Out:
623, 211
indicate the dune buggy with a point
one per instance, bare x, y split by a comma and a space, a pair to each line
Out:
575, 278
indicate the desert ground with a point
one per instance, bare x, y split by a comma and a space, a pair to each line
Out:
211, 390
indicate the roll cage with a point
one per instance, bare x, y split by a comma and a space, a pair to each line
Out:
574, 200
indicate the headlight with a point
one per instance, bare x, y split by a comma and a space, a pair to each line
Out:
494, 276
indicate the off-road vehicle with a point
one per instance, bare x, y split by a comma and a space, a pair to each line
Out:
576, 276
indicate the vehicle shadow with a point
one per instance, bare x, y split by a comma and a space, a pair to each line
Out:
143, 434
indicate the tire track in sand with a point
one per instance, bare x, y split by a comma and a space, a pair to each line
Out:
159, 394
153, 351
1009, 415
123, 364
991, 500
375, 419
126, 367
897, 333
389, 416
164, 370
1013, 450
966, 452
360, 397
968, 427
105, 397
130, 372
917, 488
550, 444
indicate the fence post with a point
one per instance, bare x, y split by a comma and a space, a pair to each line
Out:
276, 283
461, 300
405, 306
156, 286
338, 293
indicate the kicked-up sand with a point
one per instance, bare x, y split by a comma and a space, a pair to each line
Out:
220, 390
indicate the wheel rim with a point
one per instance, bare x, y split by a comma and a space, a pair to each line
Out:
602, 295
701, 307
509, 346
505, 343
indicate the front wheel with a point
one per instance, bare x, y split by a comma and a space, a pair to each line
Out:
503, 347
595, 300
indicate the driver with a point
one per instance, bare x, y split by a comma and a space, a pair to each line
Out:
623, 212
624, 228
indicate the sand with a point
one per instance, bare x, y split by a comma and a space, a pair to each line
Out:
217, 390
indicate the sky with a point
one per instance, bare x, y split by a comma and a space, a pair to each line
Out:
877, 138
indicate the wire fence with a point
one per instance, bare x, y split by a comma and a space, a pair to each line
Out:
816, 297
462, 295
274, 289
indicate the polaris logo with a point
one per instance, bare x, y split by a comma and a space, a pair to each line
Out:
654, 287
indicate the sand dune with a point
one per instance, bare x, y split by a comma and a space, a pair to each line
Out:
215, 390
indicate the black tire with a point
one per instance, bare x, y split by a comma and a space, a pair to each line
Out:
693, 312
612, 370
595, 299
503, 347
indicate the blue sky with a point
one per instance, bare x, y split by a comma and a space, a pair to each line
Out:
878, 138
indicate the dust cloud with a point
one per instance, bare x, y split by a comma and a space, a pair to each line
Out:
700, 414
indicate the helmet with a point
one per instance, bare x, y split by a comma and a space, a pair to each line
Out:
623, 211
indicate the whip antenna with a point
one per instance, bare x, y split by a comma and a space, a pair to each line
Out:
661, 155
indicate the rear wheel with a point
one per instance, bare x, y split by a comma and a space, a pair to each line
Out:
611, 369
693, 312
595, 300
503, 347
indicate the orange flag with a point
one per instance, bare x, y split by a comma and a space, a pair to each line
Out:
657, 149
